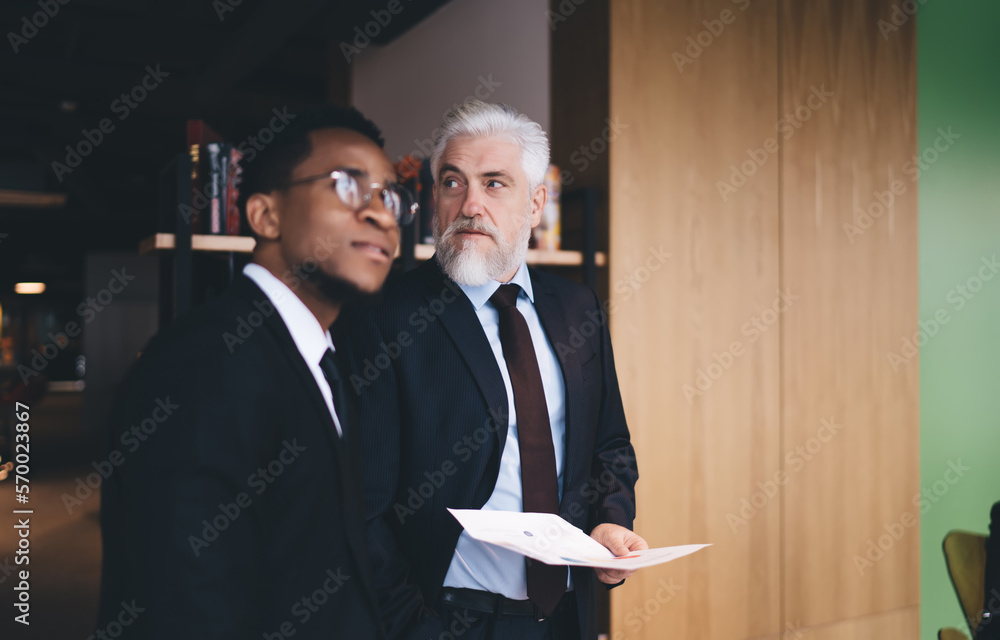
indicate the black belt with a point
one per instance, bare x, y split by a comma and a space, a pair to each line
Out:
494, 603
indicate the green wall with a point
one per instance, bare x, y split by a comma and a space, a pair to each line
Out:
958, 73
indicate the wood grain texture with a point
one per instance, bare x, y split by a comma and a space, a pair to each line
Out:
857, 282
699, 455
795, 472
903, 624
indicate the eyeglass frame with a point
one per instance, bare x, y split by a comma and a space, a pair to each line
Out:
367, 196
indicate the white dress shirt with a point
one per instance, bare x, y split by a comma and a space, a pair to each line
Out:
308, 334
477, 565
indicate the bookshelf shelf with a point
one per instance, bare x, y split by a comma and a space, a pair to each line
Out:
535, 256
245, 244
167, 242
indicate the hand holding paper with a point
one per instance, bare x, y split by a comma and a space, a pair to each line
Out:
621, 542
548, 538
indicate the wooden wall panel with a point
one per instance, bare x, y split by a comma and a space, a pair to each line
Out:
901, 624
698, 457
857, 282
756, 186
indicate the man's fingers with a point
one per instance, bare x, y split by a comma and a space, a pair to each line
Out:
638, 544
608, 577
611, 576
617, 543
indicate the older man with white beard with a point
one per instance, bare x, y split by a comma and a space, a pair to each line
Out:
479, 401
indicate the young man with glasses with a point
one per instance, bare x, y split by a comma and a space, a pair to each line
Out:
235, 509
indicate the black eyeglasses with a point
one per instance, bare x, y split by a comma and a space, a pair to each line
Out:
347, 183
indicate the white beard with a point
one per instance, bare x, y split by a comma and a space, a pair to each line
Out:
472, 267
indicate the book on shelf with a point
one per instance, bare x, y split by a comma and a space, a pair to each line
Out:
199, 135
546, 236
215, 177
216, 170
414, 173
234, 177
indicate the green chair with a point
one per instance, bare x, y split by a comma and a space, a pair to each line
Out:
965, 556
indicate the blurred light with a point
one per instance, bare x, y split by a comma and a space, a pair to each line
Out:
29, 287
68, 106
66, 386
35, 199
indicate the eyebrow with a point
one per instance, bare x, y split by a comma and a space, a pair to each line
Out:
497, 173
448, 167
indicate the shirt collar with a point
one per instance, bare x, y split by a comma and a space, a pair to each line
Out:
480, 295
311, 339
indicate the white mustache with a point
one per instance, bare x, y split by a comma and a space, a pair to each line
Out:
471, 224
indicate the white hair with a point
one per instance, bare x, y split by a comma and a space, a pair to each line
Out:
481, 119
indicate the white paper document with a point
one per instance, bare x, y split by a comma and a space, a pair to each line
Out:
548, 538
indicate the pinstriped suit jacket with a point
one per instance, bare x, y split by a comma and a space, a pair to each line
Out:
433, 412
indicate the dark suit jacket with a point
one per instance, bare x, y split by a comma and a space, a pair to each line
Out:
234, 508
434, 421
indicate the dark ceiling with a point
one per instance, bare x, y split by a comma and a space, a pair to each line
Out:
229, 62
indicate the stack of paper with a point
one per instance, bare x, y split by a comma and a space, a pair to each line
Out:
548, 538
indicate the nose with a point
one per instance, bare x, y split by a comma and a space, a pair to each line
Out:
472, 206
377, 214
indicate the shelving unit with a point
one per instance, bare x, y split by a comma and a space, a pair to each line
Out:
182, 253
168, 242
245, 244
534, 257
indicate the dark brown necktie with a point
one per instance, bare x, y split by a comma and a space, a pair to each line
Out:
539, 485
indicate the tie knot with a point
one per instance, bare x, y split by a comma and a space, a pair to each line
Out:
329, 365
505, 296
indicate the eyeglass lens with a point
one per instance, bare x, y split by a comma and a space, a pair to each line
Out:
395, 198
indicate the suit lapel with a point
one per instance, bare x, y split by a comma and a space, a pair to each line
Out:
350, 483
290, 352
553, 319
460, 321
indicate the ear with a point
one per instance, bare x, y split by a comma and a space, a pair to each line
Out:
538, 199
263, 216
